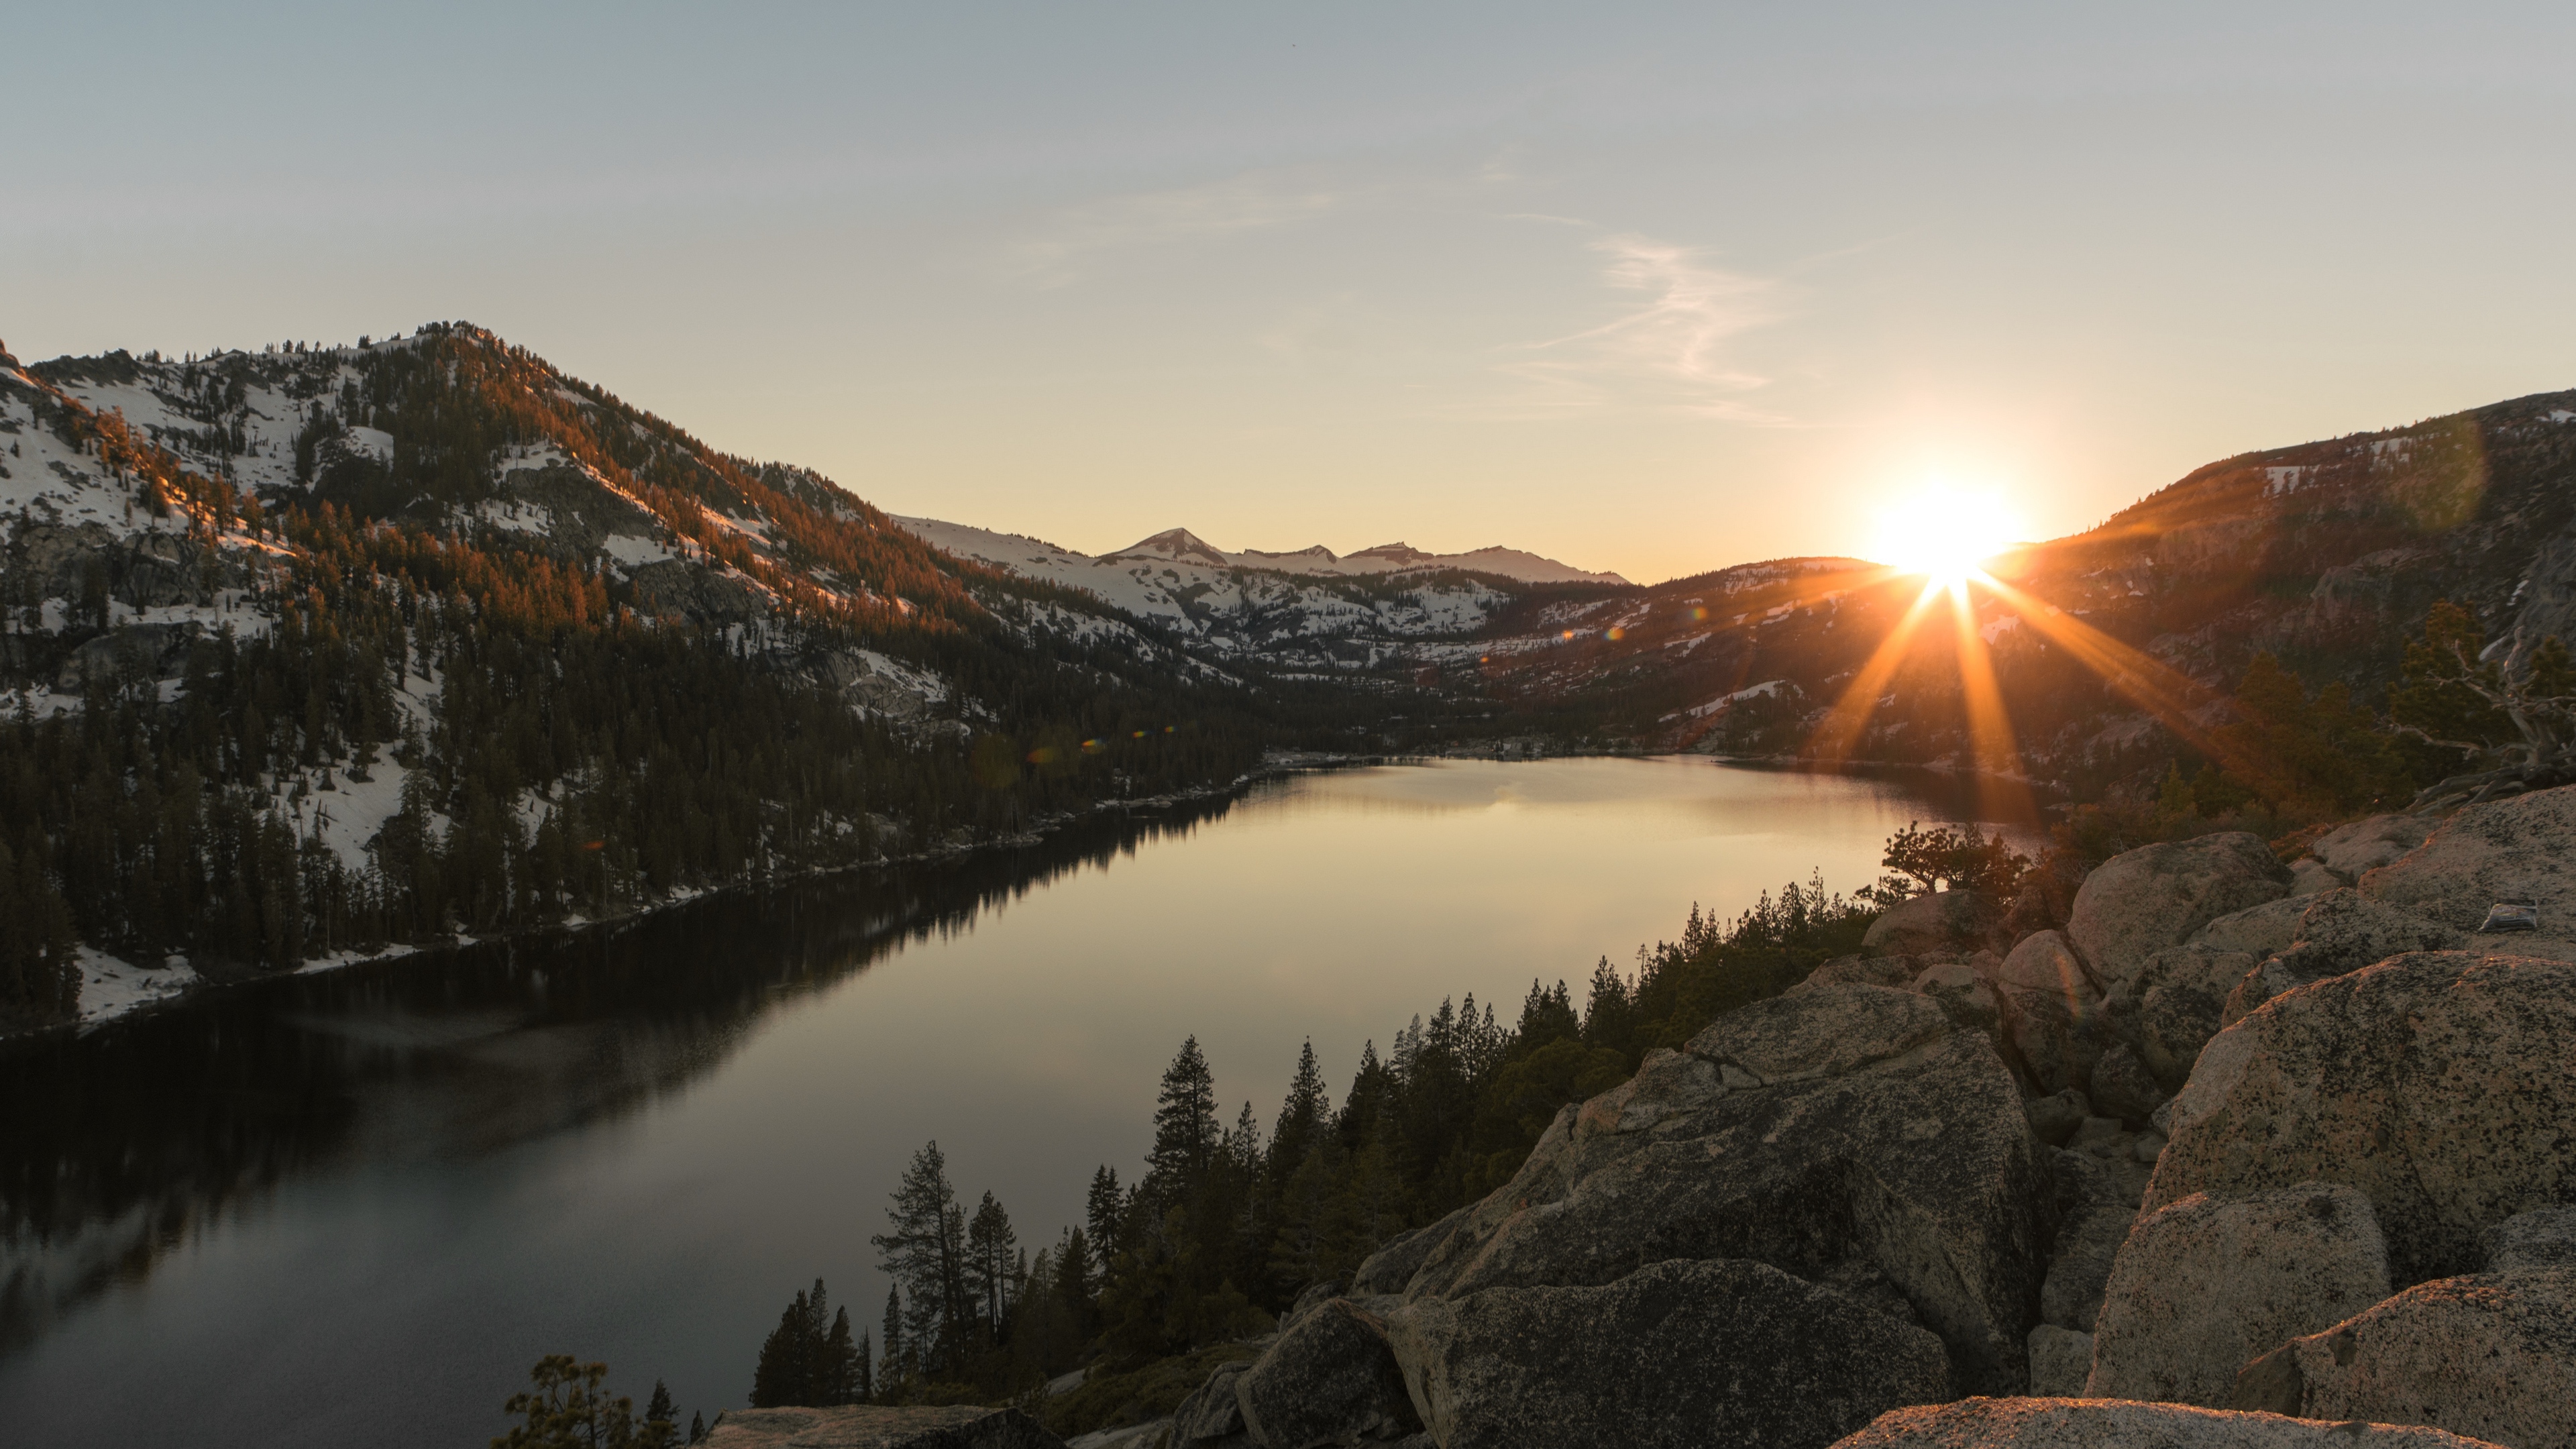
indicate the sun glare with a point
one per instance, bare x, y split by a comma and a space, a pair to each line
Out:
1944, 534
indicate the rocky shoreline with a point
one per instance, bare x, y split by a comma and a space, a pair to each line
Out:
2244, 1155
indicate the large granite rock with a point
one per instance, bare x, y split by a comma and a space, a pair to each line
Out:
1851, 1135
2353, 851
1329, 1378
872, 1426
2205, 1284
1211, 1414
2053, 1014
1860, 971
2518, 849
2491, 1355
2440, 1084
1392, 1266
2256, 930
2182, 995
2541, 1238
2140, 901
2096, 1205
2060, 1360
2124, 1088
1964, 996
2112, 1424
1690, 1355
2343, 930
1941, 921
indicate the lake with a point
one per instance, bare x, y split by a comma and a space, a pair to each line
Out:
352, 1207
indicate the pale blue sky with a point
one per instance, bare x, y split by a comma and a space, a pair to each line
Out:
1652, 288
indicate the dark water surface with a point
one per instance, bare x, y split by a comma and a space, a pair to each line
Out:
351, 1208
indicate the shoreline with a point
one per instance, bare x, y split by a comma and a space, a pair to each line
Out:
135, 994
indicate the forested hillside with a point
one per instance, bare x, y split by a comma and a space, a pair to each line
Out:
318, 649
2113, 652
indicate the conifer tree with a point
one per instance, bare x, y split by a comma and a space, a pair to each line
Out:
1302, 1116
1101, 1209
989, 1258
925, 1254
1185, 1126
891, 1370
842, 1362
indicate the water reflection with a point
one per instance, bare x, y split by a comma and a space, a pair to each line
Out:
146, 1130
354, 1207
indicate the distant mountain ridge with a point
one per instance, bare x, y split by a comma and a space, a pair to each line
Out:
1309, 609
1181, 545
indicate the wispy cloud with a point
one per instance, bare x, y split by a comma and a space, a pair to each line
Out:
1672, 350
1253, 201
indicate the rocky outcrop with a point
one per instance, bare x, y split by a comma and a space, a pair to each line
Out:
2258, 930
1391, 1267
1967, 998
2141, 901
2182, 994
2096, 1203
2204, 1284
2051, 1013
2060, 1358
870, 1426
2343, 930
2442, 1085
1211, 1415
1860, 971
2519, 849
1703, 1354
2353, 851
1851, 1135
1941, 921
2123, 1088
1329, 1378
2491, 1355
2541, 1238
2110, 1424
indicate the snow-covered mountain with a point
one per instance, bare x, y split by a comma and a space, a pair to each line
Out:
1181, 545
1310, 608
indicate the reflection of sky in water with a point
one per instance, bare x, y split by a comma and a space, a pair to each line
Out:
647, 1184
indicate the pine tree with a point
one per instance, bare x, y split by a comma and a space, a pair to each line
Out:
990, 1262
658, 1409
799, 1363
1185, 1127
1302, 1116
843, 1364
925, 1254
697, 1427
891, 1371
1609, 1015
1101, 1210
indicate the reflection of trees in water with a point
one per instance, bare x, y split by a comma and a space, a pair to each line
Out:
120, 1144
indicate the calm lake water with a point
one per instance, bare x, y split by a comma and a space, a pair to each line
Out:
352, 1208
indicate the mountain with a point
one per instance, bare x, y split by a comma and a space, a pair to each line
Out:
2112, 649
319, 649
322, 650
1306, 611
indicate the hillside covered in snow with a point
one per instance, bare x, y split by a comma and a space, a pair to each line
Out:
319, 650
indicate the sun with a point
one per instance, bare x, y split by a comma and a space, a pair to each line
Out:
1943, 533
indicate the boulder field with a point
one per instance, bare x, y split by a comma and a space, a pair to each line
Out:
2246, 1154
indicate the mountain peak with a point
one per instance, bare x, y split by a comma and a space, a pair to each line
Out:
1177, 544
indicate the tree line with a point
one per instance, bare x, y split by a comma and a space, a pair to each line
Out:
1228, 1221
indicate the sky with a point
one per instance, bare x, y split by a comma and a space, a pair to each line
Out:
1651, 288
